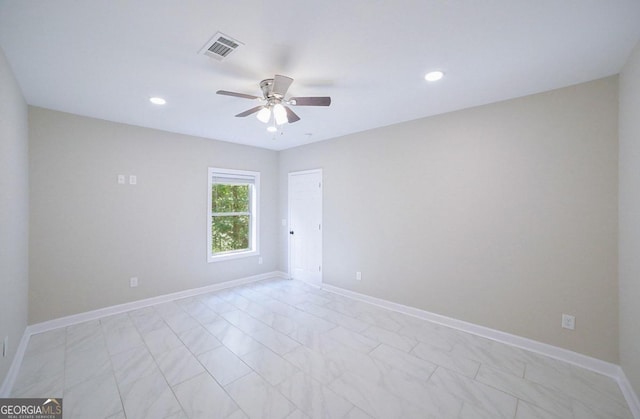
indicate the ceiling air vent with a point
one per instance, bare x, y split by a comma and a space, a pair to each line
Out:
220, 46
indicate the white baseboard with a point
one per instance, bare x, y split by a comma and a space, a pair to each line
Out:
606, 368
629, 394
612, 370
12, 374
33, 329
121, 308
281, 274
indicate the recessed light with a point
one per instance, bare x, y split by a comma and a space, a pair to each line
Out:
434, 76
157, 100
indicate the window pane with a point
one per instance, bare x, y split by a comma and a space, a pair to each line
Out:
230, 233
229, 198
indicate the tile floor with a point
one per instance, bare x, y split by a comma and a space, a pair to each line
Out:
282, 349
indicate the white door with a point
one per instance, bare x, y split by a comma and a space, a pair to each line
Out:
305, 226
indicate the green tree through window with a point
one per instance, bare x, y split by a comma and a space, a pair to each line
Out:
231, 217
233, 214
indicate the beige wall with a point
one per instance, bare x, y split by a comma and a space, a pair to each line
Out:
14, 213
89, 234
629, 219
503, 215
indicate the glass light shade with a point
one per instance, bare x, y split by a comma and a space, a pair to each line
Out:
280, 113
264, 115
272, 128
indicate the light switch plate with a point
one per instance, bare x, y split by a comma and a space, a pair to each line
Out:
568, 321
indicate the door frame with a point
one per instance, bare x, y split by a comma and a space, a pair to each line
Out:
289, 176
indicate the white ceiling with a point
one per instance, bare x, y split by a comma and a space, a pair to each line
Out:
105, 58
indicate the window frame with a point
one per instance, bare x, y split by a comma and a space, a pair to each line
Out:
254, 214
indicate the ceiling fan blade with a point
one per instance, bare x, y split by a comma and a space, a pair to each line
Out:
310, 101
281, 84
242, 95
249, 112
291, 115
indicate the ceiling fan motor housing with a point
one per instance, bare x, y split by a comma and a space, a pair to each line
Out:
267, 88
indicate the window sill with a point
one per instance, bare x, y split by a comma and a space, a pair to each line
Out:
231, 256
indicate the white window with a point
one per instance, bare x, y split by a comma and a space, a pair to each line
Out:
232, 228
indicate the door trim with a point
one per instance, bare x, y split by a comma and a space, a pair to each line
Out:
289, 176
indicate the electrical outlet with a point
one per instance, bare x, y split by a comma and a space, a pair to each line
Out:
568, 321
133, 282
121, 180
260, 260
359, 276
133, 180
5, 346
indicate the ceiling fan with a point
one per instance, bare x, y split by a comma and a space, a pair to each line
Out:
275, 107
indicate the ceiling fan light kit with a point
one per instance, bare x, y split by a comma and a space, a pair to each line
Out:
264, 115
275, 106
280, 114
